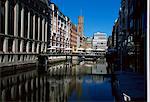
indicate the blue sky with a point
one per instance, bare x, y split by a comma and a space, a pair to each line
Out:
99, 15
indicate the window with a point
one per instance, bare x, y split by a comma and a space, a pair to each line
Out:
26, 23
19, 21
19, 41
35, 46
24, 47
36, 27
40, 28
131, 23
10, 44
30, 47
31, 25
2, 19
1, 43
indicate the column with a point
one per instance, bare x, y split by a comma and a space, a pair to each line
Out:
37, 50
46, 24
43, 33
28, 34
43, 29
0, 16
34, 26
33, 44
39, 27
15, 42
22, 32
38, 44
5, 44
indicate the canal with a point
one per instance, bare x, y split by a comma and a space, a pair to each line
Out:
64, 82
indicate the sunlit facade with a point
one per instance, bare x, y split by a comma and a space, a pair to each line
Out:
23, 30
60, 30
73, 38
99, 41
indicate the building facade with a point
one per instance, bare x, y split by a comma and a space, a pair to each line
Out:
130, 34
60, 30
115, 34
88, 42
23, 30
99, 41
109, 42
73, 37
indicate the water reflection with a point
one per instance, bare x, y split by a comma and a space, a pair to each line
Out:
64, 82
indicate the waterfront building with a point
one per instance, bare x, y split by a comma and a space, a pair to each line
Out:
23, 30
73, 37
138, 28
60, 30
129, 31
99, 41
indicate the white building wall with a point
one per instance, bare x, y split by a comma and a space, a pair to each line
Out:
99, 41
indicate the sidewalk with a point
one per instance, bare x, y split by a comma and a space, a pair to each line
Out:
131, 86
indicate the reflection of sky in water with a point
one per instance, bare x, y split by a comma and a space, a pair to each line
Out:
93, 91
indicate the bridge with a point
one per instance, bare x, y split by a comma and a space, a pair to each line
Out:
43, 58
25, 58
73, 54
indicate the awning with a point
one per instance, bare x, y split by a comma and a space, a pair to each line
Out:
80, 49
55, 46
52, 48
69, 49
100, 49
89, 49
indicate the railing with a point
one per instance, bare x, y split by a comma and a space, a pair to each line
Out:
74, 54
7, 59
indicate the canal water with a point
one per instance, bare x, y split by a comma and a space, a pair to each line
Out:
64, 82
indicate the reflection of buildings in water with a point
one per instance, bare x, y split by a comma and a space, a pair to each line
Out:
60, 88
99, 69
57, 89
23, 86
102, 61
61, 69
95, 79
79, 86
89, 81
98, 78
